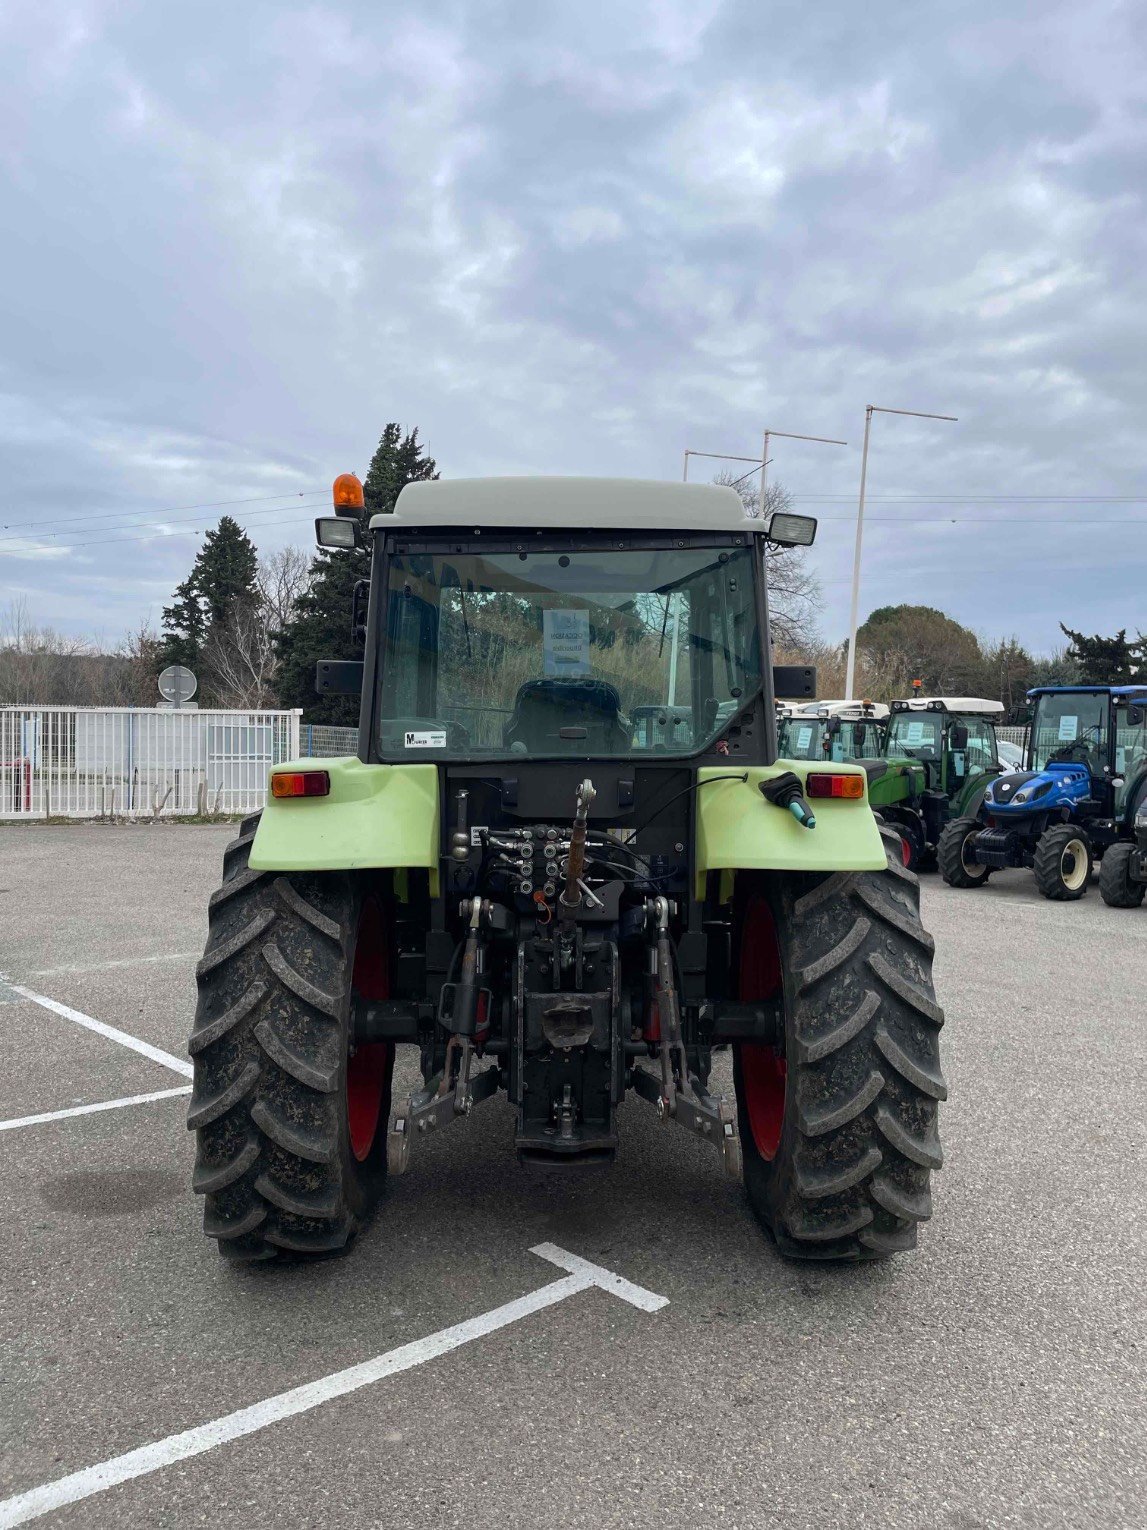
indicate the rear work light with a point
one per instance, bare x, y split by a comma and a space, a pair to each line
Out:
300, 783
821, 784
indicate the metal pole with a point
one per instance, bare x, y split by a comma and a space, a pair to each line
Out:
870, 410
850, 676
675, 611
765, 471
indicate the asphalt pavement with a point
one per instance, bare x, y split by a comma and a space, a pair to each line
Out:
995, 1377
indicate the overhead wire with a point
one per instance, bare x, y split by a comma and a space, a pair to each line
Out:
211, 504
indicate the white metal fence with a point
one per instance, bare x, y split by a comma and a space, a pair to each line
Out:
93, 762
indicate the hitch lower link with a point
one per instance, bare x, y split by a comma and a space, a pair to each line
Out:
677, 1094
454, 1092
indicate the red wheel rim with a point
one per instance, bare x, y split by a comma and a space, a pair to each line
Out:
763, 1069
368, 1069
905, 850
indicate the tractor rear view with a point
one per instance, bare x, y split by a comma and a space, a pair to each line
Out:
565, 866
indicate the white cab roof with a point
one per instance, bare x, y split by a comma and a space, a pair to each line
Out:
874, 709
973, 704
622, 504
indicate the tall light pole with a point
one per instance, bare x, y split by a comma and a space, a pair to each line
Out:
870, 410
789, 436
763, 461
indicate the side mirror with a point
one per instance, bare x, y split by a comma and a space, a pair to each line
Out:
832, 726
957, 737
359, 602
1135, 717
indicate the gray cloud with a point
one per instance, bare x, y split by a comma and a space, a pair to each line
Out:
579, 239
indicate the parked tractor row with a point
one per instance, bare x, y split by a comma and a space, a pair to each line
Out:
937, 778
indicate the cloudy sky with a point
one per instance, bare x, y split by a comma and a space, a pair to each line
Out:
579, 238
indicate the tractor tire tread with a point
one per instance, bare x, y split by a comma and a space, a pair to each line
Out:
949, 854
859, 1140
1115, 885
267, 1046
1048, 858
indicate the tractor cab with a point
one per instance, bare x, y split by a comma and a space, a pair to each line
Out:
834, 730
939, 755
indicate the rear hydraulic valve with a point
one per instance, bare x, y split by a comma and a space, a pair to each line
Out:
787, 791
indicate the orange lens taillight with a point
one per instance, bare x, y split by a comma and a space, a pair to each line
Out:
300, 783
348, 492
822, 784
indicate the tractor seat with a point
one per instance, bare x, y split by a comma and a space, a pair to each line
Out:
588, 711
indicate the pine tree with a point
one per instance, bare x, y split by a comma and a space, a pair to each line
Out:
1106, 660
320, 627
222, 576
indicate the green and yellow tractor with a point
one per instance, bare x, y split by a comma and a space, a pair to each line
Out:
940, 755
552, 903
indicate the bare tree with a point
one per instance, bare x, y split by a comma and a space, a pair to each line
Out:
281, 578
239, 660
794, 590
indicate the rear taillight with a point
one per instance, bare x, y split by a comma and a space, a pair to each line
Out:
821, 784
300, 783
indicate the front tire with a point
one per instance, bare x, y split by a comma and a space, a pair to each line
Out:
1115, 885
951, 855
281, 1104
1062, 862
839, 1122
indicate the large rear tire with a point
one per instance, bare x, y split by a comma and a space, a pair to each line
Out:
838, 1123
952, 858
1062, 862
1115, 885
290, 1121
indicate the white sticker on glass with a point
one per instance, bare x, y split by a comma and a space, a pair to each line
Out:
565, 642
915, 732
1068, 729
804, 738
425, 738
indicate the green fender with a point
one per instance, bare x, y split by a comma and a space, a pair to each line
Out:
738, 830
903, 781
375, 816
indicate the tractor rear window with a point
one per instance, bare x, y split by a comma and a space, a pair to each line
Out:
542, 654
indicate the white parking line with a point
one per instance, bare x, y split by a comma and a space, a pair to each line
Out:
176, 1064
91, 1110
123, 961
233, 1426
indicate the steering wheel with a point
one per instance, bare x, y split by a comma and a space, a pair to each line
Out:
1069, 751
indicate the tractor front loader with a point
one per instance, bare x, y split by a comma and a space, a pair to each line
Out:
555, 902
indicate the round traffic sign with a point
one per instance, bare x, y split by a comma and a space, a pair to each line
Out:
177, 684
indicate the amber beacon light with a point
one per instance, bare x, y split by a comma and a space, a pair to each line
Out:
348, 495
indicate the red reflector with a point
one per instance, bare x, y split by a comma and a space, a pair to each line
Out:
821, 784
302, 783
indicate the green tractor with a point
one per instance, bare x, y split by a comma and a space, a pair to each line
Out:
551, 902
833, 730
940, 755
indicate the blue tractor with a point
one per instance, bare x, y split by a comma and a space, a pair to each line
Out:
1085, 784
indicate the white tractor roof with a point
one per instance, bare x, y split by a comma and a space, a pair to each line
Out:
874, 709
975, 705
621, 504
